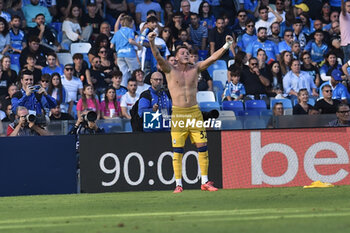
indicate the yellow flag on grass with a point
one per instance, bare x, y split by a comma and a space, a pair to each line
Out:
319, 184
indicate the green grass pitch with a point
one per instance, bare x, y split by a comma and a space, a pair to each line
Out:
242, 210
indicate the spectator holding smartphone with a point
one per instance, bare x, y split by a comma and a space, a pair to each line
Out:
34, 98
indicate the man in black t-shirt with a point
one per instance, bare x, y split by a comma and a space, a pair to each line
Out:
254, 82
93, 19
327, 105
97, 76
44, 33
57, 115
39, 51
217, 38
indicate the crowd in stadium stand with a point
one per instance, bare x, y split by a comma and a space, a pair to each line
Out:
283, 49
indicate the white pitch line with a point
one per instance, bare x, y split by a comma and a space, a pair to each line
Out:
242, 214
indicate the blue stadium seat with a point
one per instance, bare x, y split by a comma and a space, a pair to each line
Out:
287, 103
208, 106
220, 75
254, 112
59, 37
81, 47
266, 112
205, 96
255, 104
218, 90
15, 62
218, 65
86, 58
15, 58
217, 85
57, 26
218, 96
202, 54
233, 105
65, 58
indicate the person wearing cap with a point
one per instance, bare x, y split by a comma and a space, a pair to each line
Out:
72, 84
300, 8
339, 91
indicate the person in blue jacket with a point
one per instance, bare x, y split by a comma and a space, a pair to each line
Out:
34, 98
156, 99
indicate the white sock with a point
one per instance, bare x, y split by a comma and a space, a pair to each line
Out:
179, 182
204, 179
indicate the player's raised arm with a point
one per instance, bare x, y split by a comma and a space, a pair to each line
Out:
215, 56
164, 65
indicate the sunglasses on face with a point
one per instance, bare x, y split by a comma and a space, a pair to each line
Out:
69, 69
103, 51
250, 26
242, 16
327, 91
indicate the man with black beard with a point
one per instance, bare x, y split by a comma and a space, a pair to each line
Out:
262, 43
254, 82
97, 76
217, 38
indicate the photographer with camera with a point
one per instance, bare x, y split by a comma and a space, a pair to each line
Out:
34, 98
86, 124
24, 125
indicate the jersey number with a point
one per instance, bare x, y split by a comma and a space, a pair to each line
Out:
203, 134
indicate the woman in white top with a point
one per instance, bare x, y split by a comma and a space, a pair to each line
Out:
72, 32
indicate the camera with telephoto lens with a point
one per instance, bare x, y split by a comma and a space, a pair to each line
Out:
213, 114
30, 118
89, 117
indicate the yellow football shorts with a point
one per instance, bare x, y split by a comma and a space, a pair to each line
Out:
184, 122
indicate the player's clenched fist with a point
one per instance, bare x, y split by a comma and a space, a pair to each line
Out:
152, 36
229, 41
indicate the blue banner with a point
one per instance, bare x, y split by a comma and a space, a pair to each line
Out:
37, 165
